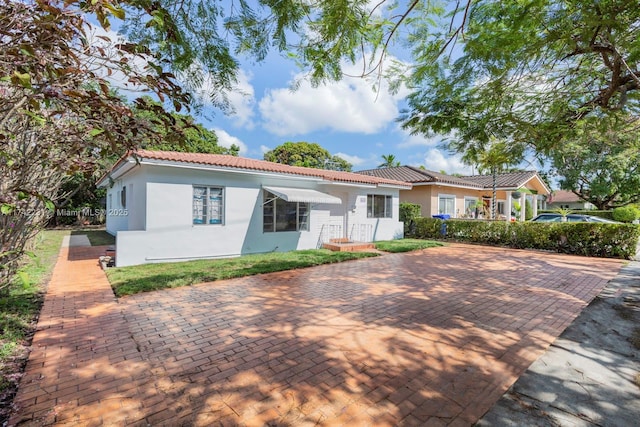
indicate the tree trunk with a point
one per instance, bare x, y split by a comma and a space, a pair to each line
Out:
494, 172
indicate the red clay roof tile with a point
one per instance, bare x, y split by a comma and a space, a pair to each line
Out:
227, 161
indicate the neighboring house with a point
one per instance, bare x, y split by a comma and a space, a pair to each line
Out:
169, 206
567, 200
466, 196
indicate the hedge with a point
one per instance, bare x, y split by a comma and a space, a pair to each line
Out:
579, 238
626, 213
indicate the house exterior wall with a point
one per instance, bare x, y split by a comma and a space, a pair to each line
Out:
170, 235
427, 196
131, 215
419, 195
362, 228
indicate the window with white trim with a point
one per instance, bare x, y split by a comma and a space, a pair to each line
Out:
379, 206
208, 205
447, 204
280, 215
470, 204
501, 205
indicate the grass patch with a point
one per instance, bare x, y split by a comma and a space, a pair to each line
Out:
97, 237
405, 245
151, 277
19, 309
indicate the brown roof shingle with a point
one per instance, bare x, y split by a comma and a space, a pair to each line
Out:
564, 196
416, 175
504, 180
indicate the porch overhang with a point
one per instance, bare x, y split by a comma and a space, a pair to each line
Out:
303, 195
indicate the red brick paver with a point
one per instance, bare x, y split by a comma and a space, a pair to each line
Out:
433, 337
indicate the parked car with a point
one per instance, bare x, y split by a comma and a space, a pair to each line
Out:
556, 217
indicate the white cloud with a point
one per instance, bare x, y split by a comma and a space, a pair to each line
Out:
264, 149
226, 140
242, 100
350, 105
436, 160
419, 141
409, 141
354, 160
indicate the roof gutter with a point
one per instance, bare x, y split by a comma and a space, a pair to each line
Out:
116, 173
446, 184
398, 186
200, 166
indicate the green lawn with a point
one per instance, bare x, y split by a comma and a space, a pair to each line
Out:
97, 237
19, 309
151, 277
405, 245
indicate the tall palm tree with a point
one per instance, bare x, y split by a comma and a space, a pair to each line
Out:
390, 161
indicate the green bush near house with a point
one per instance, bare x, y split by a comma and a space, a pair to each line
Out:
528, 213
588, 239
409, 212
626, 213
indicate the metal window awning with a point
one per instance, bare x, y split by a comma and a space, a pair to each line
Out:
303, 195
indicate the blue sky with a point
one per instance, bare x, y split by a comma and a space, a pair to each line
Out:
347, 118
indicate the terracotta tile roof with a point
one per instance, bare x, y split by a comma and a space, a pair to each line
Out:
227, 161
563, 196
504, 180
416, 176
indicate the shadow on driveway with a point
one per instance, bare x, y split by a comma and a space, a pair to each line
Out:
434, 336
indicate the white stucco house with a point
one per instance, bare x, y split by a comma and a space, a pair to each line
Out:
168, 206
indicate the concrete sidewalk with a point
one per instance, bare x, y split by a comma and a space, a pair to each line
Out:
590, 374
427, 338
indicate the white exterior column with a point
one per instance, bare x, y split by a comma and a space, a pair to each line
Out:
523, 205
507, 207
534, 205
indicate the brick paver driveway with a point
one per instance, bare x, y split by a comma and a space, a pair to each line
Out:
433, 337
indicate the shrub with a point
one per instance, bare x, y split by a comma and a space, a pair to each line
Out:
626, 213
588, 239
409, 212
528, 212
